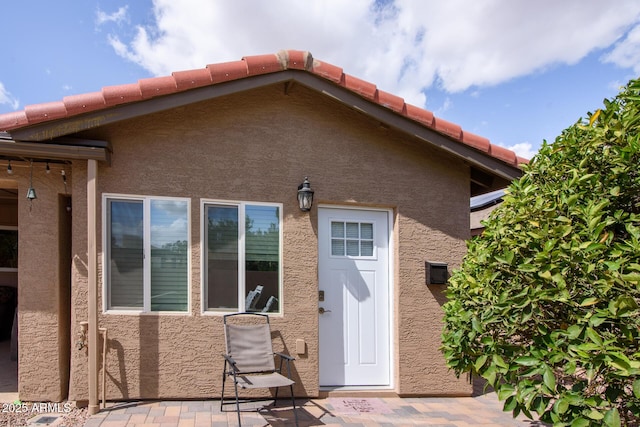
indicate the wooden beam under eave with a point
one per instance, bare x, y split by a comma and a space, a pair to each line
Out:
50, 151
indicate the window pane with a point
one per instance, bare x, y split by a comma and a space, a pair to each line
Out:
337, 247
262, 257
126, 254
352, 230
366, 231
222, 257
353, 248
337, 229
169, 252
366, 248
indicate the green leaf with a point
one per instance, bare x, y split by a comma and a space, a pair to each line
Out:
505, 391
561, 406
636, 388
549, 379
490, 375
612, 418
499, 361
580, 422
589, 301
620, 362
510, 404
480, 361
545, 274
574, 331
595, 415
631, 277
593, 336
527, 361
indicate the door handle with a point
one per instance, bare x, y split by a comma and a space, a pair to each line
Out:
322, 310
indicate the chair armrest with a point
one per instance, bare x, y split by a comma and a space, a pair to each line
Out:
230, 360
285, 356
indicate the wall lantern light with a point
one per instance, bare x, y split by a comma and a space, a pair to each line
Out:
31, 192
305, 195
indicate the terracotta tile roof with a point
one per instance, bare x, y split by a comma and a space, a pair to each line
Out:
248, 66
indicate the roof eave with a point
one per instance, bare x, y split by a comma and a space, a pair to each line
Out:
50, 130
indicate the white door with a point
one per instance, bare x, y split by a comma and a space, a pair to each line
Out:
353, 251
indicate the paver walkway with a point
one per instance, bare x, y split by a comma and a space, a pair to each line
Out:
334, 411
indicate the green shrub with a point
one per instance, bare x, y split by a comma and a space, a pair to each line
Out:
545, 304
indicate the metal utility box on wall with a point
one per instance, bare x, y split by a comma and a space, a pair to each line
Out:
437, 273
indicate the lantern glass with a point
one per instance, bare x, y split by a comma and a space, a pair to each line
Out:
305, 195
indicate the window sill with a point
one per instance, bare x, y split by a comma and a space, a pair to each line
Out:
145, 313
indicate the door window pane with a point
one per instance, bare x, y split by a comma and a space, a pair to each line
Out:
356, 237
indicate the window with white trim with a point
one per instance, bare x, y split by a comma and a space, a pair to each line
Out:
242, 257
147, 245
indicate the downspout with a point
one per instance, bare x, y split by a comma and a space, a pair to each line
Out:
92, 172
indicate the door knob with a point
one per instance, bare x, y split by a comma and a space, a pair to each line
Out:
321, 310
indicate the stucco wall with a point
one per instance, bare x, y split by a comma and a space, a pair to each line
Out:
258, 146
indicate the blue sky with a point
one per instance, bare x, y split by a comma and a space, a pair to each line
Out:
514, 71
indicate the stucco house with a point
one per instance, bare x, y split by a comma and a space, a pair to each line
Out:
163, 204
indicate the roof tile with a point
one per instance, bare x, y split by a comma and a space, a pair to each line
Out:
359, 86
13, 120
226, 71
47, 111
156, 86
78, 104
476, 141
192, 78
448, 128
392, 101
248, 66
328, 71
503, 154
114, 95
296, 59
262, 64
419, 115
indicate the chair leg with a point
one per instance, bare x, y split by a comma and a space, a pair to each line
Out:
235, 383
293, 401
224, 377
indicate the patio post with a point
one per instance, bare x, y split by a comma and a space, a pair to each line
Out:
92, 171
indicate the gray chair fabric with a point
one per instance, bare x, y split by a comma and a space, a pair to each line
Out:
250, 360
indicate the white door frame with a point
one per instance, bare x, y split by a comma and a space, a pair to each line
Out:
391, 287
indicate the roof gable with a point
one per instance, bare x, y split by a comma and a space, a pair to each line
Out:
74, 111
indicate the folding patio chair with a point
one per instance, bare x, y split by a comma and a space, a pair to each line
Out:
250, 359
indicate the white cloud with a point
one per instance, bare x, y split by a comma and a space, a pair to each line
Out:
626, 52
446, 105
120, 16
524, 149
7, 99
404, 47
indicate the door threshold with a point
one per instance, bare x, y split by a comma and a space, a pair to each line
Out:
355, 391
